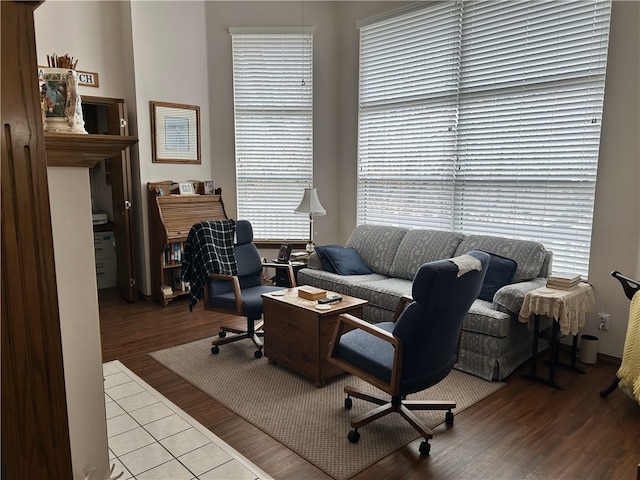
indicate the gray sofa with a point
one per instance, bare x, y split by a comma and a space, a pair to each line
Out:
493, 341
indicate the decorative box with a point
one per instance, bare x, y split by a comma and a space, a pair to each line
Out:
311, 293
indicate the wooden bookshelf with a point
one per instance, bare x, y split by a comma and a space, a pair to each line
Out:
171, 216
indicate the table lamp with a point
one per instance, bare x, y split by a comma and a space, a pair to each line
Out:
310, 204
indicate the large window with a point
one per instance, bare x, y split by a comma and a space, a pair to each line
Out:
484, 117
273, 106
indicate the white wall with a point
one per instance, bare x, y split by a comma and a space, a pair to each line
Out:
616, 226
170, 61
72, 228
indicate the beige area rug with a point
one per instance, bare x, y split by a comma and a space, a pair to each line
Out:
309, 420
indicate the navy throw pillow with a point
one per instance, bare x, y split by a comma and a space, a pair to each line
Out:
499, 274
324, 259
346, 261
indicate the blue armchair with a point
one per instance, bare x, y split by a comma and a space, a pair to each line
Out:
418, 349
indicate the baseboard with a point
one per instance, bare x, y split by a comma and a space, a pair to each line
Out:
609, 359
601, 356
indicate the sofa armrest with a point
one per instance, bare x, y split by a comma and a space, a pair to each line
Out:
510, 297
314, 262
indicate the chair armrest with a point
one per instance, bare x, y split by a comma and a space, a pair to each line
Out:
237, 292
402, 304
360, 324
290, 273
346, 320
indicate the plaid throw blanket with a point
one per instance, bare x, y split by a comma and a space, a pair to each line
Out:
208, 249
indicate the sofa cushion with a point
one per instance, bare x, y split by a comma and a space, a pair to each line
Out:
421, 246
377, 245
499, 273
321, 252
383, 293
345, 261
529, 255
333, 282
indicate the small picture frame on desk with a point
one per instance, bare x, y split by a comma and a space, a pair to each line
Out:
186, 188
209, 187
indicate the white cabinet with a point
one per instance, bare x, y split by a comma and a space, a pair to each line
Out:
104, 246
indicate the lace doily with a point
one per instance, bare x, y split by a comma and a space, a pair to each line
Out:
466, 263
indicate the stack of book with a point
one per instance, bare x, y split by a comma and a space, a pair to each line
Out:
563, 281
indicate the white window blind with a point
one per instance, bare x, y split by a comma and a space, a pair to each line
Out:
490, 122
273, 107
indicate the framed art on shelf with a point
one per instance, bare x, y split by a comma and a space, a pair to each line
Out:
175, 133
209, 187
186, 188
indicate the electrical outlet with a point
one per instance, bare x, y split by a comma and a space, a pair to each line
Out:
604, 321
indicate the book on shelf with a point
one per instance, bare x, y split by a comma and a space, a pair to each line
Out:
166, 290
172, 254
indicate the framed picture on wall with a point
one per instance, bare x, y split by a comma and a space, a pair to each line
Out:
175, 133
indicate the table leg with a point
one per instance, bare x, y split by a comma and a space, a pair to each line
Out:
553, 360
574, 355
534, 355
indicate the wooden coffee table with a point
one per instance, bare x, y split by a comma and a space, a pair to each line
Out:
297, 334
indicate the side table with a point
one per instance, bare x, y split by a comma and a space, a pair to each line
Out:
281, 278
567, 308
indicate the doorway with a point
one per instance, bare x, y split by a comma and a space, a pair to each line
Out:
111, 199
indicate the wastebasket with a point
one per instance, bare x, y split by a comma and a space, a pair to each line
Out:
588, 349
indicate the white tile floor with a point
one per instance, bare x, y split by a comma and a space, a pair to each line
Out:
151, 438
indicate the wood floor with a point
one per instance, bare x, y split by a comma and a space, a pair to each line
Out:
524, 431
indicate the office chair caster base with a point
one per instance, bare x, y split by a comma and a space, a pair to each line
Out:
348, 403
257, 354
424, 448
215, 350
222, 334
353, 436
448, 419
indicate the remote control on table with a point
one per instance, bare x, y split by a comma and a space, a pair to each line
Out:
335, 299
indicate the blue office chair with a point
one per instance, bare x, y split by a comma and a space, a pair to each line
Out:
241, 294
416, 351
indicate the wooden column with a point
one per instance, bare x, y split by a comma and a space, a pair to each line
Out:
35, 432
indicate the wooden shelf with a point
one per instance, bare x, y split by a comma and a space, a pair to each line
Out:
83, 150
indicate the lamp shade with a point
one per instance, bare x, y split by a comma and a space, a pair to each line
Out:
310, 204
